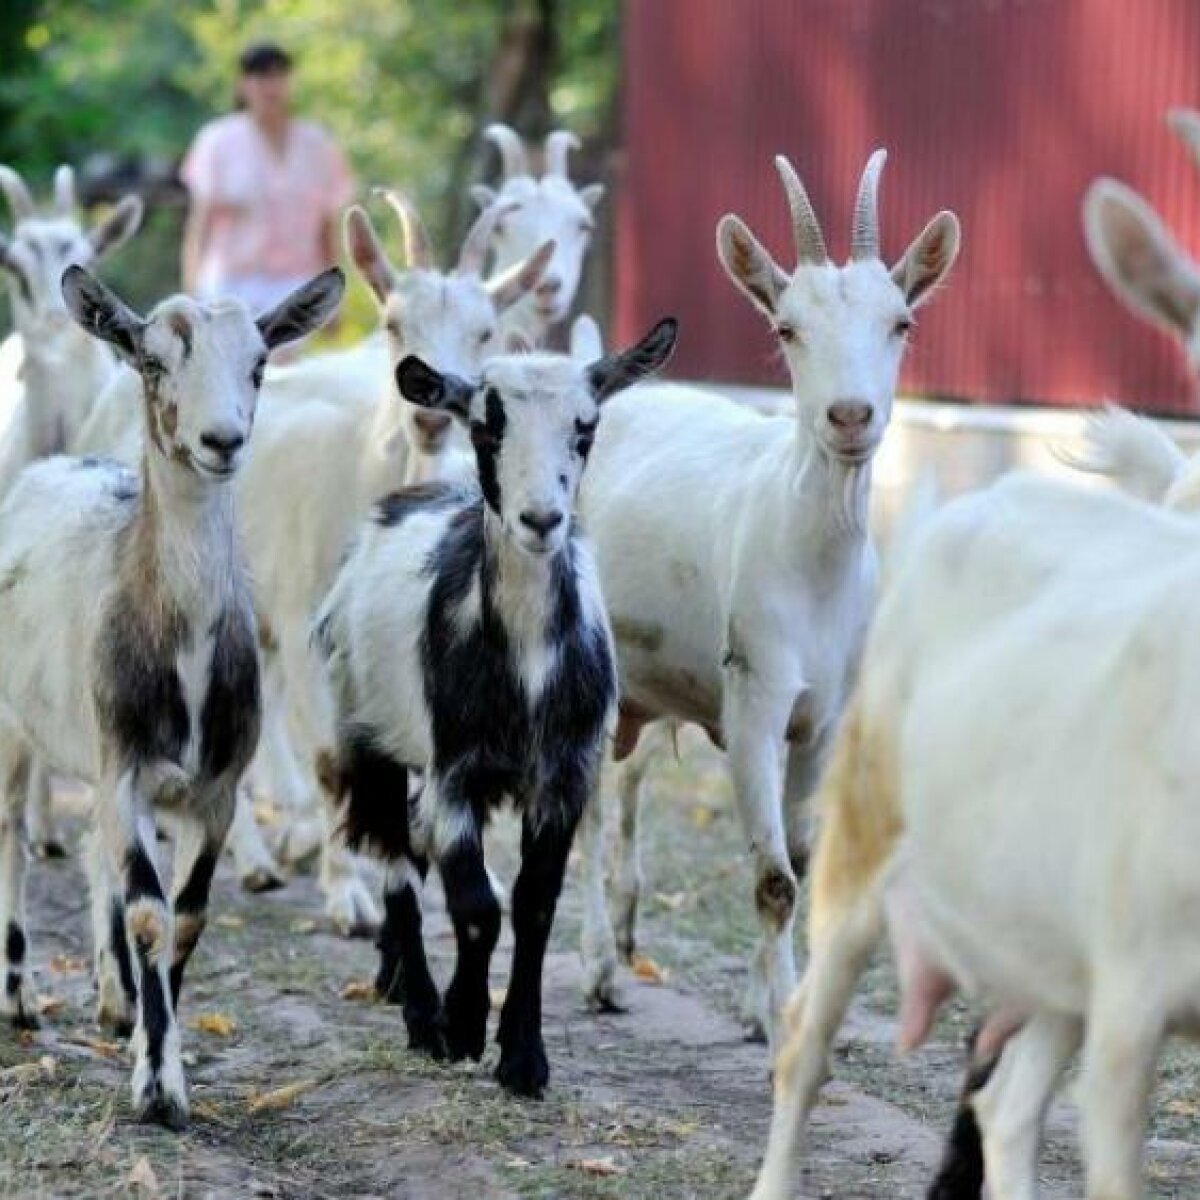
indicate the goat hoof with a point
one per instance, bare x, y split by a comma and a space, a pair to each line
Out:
49, 848
262, 879
17, 1004
466, 1026
524, 1071
157, 1104
426, 1035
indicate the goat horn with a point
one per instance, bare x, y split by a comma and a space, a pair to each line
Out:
418, 249
64, 191
806, 229
19, 199
864, 238
513, 158
473, 255
558, 145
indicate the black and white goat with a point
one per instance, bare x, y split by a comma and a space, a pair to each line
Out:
466, 638
129, 649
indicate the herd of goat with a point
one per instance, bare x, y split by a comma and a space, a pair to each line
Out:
447, 568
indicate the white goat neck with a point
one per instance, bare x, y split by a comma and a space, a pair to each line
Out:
833, 496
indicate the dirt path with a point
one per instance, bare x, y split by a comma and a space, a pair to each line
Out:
666, 1100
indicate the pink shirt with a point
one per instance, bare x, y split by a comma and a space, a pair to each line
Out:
268, 208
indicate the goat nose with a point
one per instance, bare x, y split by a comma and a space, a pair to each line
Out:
223, 443
541, 521
551, 285
851, 415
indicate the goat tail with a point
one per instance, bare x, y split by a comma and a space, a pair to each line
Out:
1130, 451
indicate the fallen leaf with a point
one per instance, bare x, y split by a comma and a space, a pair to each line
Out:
498, 997
66, 964
517, 1163
279, 1097
229, 921
702, 816
647, 970
306, 925
143, 1180
357, 989
49, 1006
672, 901
596, 1166
99, 1045
215, 1023
206, 1110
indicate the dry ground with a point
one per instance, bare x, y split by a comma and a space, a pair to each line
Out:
664, 1101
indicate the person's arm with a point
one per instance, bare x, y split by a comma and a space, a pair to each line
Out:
329, 240
195, 240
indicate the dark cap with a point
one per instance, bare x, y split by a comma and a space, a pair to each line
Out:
264, 58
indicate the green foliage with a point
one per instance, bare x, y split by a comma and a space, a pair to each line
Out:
402, 84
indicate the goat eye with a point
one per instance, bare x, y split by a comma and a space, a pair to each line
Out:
787, 333
903, 327
485, 336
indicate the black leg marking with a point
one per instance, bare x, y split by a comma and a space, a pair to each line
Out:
156, 1017
119, 944
404, 976
476, 918
961, 1174
523, 1067
14, 945
141, 879
191, 908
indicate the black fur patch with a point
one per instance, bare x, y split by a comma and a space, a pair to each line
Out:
961, 1174
12, 983
487, 741
141, 879
14, 944
422, 497
486, 437
139, 699
155, 1014
230, 717
376, 813
119, 944
193, 896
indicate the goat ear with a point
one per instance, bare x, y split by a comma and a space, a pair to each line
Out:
749, 265
366, 253
305, 309
102, 312
586, 343
592, 195
928, 260
118, 227
483, 196
1139, 259
608, 375
421, 385
507, 288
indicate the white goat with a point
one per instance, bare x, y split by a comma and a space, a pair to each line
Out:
734, 551
129, 651
535, 211
1023, 685
332, 437
52, 370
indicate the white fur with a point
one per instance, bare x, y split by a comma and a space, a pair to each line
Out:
737, 567
1024, 720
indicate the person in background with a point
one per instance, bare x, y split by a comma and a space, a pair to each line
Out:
266, 190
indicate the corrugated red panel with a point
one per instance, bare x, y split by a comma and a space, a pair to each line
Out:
1003, 110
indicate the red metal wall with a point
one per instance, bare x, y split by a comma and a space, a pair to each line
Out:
1002, 110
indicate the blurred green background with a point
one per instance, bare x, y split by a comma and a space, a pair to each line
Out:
119, 88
